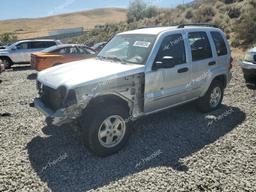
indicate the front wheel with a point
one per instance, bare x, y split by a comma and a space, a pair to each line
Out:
213, 98
107, 131
7, 63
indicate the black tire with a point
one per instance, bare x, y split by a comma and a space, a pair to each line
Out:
91, 122
203, 103
7, 62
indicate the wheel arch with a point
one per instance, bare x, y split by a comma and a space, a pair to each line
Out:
5, 57
106, 99
220, 77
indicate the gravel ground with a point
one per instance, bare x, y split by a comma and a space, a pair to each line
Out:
176, 150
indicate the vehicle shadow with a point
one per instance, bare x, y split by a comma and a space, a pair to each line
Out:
157, 140
32, 76
21, 68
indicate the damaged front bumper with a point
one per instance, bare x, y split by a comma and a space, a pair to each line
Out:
57, 118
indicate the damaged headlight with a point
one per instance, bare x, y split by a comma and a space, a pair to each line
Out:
70, 99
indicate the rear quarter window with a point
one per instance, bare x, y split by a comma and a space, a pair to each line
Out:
220, 44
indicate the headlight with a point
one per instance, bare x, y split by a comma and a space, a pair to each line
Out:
62, 91
70, 99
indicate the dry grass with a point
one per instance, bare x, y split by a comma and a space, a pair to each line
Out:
29, 28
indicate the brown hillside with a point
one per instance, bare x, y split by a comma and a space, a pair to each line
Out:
29, 28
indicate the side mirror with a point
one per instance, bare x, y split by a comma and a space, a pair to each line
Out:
166, 62
14, 48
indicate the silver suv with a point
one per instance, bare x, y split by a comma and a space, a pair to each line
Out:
20, 52
137, 73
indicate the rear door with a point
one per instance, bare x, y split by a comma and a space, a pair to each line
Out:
202, 60
37, 46
221, 49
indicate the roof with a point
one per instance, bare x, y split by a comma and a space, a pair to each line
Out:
158, 30
33, 40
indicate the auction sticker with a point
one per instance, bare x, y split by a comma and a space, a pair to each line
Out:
144, 44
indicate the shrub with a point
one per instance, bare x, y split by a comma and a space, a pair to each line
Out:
138, 10
8, 38
245, 26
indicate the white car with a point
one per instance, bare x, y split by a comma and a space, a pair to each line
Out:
20, 52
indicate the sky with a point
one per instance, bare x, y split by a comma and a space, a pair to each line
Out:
12, 9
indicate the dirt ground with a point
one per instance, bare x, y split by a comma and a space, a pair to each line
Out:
179, 149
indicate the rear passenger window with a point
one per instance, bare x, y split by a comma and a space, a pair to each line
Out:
42, 44
37, 45
200, 46
173, 46
219, 44
49, 44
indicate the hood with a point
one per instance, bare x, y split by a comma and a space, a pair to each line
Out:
3, 51
85, 72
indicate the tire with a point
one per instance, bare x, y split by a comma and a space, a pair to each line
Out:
96, 136
7, 62
206, 103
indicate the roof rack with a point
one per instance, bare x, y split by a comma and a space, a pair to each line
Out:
198, 24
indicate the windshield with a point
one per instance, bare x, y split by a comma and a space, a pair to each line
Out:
132, 48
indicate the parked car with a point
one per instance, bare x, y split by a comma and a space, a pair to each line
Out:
60, 54
20, 52
154, 69
249, 68
99, 46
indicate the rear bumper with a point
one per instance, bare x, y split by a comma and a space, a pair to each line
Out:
54, 117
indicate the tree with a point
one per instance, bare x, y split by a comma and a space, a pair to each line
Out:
245, 26
138, 10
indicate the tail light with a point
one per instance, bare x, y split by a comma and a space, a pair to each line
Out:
231, 63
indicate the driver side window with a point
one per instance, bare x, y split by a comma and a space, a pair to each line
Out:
24, 45
173, 46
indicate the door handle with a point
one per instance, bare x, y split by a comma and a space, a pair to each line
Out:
212, 63
183, 70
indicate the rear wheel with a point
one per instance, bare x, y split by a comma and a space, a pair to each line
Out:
106, 131
213, 98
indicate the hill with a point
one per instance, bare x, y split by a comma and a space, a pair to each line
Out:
29, 28
236, 17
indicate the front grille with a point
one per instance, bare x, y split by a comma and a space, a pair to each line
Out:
50, 98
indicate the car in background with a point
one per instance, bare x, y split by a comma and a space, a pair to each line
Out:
60, 54
20, 52
99, 46
248, 66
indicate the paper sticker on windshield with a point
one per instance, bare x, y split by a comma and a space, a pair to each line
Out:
141, 44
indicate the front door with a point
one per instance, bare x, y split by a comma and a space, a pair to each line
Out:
166, 84
21, 53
